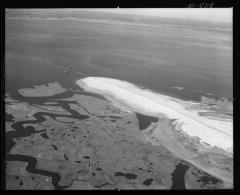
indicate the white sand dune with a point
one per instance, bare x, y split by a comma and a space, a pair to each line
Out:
214, 132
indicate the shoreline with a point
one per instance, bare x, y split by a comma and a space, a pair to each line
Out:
147, 102
216, 143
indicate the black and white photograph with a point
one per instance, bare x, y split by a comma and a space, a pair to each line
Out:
119, 98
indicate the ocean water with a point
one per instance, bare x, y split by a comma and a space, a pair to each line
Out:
155, 56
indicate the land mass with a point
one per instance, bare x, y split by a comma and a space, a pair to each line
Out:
201, 138
42, 90
86, 142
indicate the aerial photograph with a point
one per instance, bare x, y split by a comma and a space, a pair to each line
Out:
118, 99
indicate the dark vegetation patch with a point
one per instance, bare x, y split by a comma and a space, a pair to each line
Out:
44, 135
207, 179
148, 182
126, 175
145, 120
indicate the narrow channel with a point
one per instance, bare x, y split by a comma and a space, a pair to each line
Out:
21, 131
178, 177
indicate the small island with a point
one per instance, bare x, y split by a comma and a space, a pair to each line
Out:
42, 90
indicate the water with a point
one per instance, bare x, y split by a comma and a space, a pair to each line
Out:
21, 131
148, 182
154, 57
157, 58
145, 120
127, 175
178, 177
31, 167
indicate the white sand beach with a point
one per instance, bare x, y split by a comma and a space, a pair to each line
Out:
214, 132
